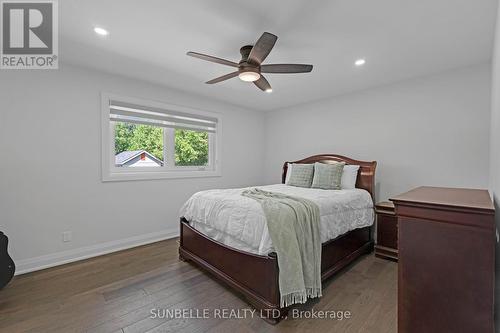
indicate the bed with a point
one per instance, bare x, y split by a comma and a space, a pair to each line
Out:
243, 257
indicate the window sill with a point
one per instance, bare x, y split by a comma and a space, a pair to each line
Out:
126, 176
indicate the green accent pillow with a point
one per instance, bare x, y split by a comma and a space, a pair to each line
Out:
301, 175
328, 176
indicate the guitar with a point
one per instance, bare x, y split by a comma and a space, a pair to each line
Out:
7, 266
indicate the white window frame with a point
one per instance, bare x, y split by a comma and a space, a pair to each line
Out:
168, 171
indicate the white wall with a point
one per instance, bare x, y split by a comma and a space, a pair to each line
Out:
495, 156
426, 131
48, 114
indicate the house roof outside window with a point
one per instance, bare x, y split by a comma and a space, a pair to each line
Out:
123, 158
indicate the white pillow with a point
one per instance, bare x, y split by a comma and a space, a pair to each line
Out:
349, 177
288, 172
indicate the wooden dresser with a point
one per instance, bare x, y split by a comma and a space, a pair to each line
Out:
446, 277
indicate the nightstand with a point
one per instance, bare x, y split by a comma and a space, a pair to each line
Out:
387, 231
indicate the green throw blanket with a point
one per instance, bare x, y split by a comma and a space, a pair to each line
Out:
293, 225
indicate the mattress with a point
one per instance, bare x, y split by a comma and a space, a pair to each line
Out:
239, 222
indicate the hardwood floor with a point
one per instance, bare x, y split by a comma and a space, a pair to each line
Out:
117, 292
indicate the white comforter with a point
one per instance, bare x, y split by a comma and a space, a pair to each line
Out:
239, 222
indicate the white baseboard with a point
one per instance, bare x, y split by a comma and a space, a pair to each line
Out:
65, 257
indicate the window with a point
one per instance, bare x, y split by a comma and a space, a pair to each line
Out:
149, 140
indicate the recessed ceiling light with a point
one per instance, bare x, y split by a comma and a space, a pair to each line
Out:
269, 90
360, 62
101, 31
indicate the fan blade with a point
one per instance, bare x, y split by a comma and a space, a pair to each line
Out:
212, 59
223, 78
262, 48
286, 68
263, 84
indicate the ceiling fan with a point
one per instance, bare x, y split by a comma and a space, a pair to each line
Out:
250, 67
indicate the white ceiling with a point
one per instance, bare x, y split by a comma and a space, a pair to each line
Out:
399, 38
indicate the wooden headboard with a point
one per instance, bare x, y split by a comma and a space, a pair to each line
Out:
366, 173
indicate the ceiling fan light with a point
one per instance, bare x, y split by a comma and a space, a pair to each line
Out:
249, 76
269, 90
360, 62
101, 31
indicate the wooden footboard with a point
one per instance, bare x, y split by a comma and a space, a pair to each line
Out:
256, 276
